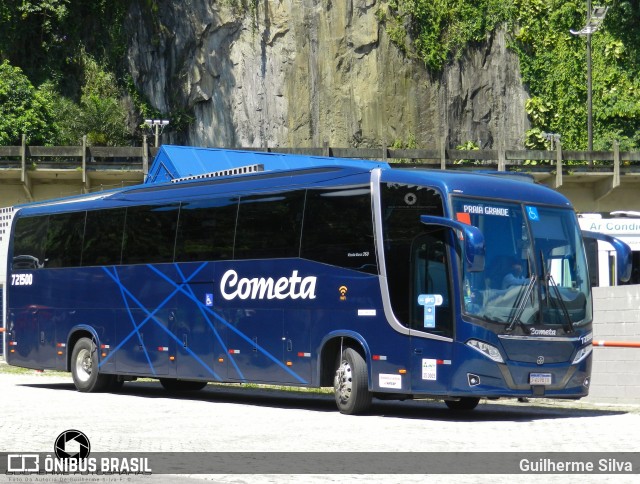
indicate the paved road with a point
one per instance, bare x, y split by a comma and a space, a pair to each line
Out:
36, 408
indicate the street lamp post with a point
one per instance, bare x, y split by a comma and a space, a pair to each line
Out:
595, 17
553, 138
156, 125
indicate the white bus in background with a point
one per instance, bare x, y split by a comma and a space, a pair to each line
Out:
6, 214
625, 226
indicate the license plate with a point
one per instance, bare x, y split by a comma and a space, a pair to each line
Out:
539, 378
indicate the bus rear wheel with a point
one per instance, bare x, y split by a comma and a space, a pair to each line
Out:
84, 367
177, 386
465, 403
350, 383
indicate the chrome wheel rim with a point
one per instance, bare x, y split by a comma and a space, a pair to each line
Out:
343, 381
84, 365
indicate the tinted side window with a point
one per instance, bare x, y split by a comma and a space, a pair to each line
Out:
269, 226
29, 241
206, 229
150, 234
103, 237
64, 239
338, 228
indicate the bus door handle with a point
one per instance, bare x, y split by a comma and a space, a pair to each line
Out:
184, 340
255, 344
42, 337
289, 345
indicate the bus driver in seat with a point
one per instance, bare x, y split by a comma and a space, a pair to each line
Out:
514, 277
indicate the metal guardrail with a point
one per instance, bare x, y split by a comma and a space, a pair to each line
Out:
442, 156
604, 169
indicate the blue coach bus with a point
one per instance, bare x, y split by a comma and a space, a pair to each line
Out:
307, 271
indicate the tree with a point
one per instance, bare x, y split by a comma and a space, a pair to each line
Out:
23, 109
103, 113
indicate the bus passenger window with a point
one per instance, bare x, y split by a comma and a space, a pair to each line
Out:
30, 236
338, 228
269, 226
206, 229
103, 237
64, 239
150, 234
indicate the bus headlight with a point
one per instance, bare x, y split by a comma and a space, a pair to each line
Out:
582, 354
486, 349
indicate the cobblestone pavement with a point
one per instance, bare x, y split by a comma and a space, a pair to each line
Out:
142, 417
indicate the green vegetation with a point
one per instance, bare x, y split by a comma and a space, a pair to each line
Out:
23, 108
14, 370
438, 31
552, 60
553, 65
468, 146
61, 72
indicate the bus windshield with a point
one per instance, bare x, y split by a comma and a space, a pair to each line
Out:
535, 274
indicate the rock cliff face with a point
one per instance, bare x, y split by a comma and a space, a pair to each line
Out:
303, 72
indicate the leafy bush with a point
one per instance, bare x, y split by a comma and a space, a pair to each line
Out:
23, 109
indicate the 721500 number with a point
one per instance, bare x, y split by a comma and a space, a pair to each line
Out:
21, 279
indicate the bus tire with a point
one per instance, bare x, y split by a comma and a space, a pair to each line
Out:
350, 383
464, 404
84, 367
178, 386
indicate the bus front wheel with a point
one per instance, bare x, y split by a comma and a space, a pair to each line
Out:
350, 383
84, 367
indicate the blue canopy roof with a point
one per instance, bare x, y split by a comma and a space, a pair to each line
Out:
174, 162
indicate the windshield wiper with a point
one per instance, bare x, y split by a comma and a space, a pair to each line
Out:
549, 282
521, 302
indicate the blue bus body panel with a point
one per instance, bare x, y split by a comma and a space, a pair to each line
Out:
145, 314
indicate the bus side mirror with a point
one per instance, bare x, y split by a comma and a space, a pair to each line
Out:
472, 238
623, 253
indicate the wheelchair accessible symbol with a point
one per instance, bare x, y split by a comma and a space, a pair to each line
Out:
532, 213
430, 301
208, 300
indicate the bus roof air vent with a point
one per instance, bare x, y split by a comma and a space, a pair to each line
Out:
240, 170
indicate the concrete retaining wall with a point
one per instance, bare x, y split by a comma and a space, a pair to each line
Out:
616, 371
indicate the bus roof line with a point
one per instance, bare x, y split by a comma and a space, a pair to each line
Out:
336, 171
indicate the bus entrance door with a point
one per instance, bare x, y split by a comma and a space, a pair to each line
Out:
431, 315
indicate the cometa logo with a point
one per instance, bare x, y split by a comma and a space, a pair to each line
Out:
294, 287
